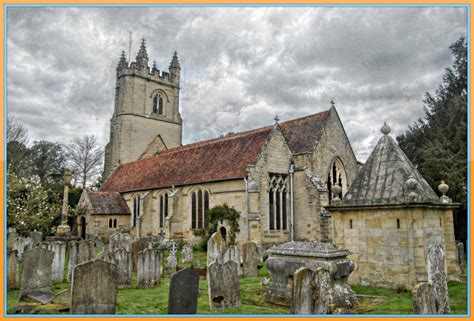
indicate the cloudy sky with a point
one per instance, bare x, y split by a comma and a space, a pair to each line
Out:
240, 65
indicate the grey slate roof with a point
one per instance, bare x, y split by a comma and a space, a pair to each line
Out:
383, 177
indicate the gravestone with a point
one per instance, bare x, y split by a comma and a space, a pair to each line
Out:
171, 260
13, 281
232, 253
59, 260
120, 240
36, 237
216, 247
79, 252
223, 285
251, 258
423, 299
11, 236
94, 288
187, 254
461, 258
138, 246
99, 243
437, 277
302, 301
197, 263
148, 268
183, 292
21, 244
36, 279
123, 260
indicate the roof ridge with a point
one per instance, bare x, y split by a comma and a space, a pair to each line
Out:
307, 116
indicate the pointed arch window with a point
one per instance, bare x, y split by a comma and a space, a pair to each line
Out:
155, 105
110, 223
136, 210
337, 176
199, 209
115, 223
163, 209
277, 201
160, 105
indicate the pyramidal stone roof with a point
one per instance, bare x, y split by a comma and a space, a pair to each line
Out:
383, 178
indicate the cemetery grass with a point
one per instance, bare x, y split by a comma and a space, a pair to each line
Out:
155, 300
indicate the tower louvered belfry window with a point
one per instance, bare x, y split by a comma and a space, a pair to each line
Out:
199, 209
163, 208
277, 201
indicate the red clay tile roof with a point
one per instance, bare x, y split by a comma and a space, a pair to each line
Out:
108, 203
214, 159
303, 134
210, 160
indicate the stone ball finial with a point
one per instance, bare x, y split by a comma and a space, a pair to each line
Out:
385, 129
412, 183
336, 190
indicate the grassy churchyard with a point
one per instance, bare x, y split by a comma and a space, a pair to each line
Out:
155, 300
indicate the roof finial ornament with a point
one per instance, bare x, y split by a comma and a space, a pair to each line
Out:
385, 129
175, 61
443, 188
333, 104
276, 119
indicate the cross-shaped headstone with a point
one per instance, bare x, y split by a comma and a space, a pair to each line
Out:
173, 249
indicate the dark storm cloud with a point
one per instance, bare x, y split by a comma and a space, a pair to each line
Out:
240, 66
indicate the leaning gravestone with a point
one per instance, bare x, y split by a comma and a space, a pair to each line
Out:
148, 268
302, 301
437, 277
123, 260
250, 258
223, 285
187, 254
138, 246
423, 299
94, 288
216, 247
59, 250
183, 292
12, 270
36, 279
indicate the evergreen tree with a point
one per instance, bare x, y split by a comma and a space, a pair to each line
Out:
437, 144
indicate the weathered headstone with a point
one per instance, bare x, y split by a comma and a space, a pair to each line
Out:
36, 237
59, 250
148, 268
302, 301
171, 265
232, 253
123, 260
138, 246
120, 240
197, 263
22, 244
79, 252
36, 278
187, 254
325, 300
13, 281
423, 299
11, 236
94, 288
216, 247
183, 292
251, 258
461, 256
223, 285
437, 277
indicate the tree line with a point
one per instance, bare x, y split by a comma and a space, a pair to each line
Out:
437, 143
35, 177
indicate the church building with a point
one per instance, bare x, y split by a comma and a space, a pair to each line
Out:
278, 177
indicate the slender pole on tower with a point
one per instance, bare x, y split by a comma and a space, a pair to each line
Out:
129, 46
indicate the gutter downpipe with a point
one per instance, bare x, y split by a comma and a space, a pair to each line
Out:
247, 206
292, 202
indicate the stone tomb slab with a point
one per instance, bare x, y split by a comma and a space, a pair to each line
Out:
94, 288
37, 273
183, 292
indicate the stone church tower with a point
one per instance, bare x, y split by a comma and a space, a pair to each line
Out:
146, 110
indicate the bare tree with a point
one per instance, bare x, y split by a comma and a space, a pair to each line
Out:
16, 131
85, 158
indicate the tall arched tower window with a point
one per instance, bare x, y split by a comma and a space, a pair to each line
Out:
337, 176
155, 105
199, 209
277, 201
160, 105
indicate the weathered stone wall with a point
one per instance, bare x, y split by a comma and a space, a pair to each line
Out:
98, 225
389, 244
